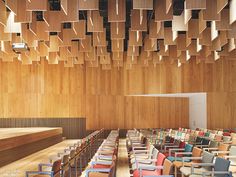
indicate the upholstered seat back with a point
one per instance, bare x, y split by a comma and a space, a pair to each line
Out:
167, 167
207, 157
221, 165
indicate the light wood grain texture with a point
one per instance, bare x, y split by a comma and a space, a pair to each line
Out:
30, 163
49, 91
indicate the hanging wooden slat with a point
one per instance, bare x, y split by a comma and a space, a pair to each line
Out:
71, 11
210, 13
85, 45
143, 4
37, 5
135, 38
223, 24
117, 30
194, 5
22, 15
116, 10
117, 45
155, 28
160, 11
118, 56
11, 26
232, 11
3, 13
138, 20
79, 29
94, 22
88, 5
221, 5
12, 5
133, 51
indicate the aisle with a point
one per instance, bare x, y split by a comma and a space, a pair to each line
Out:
123, 164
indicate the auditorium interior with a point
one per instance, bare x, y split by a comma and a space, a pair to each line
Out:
117, 88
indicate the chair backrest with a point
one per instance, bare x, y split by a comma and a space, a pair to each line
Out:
188, 148
207, 157
223, 147
182, 144
212, 136
151, 150
207, 134
218, 137
199, 139
213, 144
160, 159
197, 152
155, 153
232, 152
205, 141
201, 133
226, 138
168, 167
56, 167
221, 165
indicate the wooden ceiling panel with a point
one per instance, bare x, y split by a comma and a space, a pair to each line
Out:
75, 31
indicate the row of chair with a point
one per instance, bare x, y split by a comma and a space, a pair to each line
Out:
103, 164
72, 160
181, 155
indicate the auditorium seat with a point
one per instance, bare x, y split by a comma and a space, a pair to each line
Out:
219, 169
52, 170
145, 169
206, 158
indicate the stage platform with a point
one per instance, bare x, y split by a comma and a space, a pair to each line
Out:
30, 163
16, 143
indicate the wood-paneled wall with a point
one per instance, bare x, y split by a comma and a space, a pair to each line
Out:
221, 109
55, 91
136, 111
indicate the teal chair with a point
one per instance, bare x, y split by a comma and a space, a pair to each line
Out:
179, 153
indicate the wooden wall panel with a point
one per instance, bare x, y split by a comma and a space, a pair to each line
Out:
42, 90
136, 111
221, 109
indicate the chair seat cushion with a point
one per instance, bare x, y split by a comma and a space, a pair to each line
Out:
147, 173
98, 174
172, 159
101, 166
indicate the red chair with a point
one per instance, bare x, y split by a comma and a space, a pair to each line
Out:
146, 170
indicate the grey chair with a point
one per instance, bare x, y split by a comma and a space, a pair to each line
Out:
218, 169
207, 158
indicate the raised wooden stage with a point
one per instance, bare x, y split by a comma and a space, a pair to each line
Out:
30, 163
16, 143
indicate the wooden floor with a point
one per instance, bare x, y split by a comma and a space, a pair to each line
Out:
123, 164
30, 163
